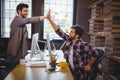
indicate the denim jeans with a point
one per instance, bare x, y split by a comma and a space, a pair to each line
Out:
78, 74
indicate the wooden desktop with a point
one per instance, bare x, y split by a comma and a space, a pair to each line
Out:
21, 72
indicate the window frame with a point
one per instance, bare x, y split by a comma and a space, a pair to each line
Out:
73, 23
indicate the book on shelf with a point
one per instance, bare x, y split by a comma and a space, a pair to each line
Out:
111, 6
107, 25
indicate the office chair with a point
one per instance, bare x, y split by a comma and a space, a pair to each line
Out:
6, 64
3, 66
62, 45
95, 67
57, 47
3, 60
3, 74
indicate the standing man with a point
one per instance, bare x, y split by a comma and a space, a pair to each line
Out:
78, 53
17, 46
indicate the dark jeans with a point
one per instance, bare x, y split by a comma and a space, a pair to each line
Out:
79, 74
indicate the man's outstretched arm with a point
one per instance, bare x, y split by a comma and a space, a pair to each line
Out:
55, 27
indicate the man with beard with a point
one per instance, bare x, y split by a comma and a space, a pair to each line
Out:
17, 46
77, 53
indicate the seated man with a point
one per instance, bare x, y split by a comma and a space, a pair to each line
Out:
78, 53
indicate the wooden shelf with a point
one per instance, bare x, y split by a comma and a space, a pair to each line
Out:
105, 18
104, 26
115, 58
109, 17
104, 31
98, 34
115, 3
116, 36
98, 2
115, 14
103, 35
101, 1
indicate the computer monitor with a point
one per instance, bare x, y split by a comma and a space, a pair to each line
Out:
48, 45
36, 56
34, 46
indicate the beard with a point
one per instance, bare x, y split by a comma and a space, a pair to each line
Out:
23, 15
72, 37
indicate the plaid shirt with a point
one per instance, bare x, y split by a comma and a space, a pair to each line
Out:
82, 51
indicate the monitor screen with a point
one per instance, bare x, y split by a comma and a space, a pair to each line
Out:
34, 45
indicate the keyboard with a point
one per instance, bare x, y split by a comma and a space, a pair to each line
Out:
36, 63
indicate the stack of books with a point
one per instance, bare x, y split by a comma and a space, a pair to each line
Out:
112, 46
111, 7
91, 24
97, 41
107, 26
116, 26
97, 11
98, 26
106, 8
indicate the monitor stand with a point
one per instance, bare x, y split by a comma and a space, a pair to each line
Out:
36, 59
36, 63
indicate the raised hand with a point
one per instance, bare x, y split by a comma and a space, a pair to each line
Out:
46, 16
49, 14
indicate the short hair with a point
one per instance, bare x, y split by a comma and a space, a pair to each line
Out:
78, 30
21, 6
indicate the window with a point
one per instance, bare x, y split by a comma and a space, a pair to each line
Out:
61, 14
8, 12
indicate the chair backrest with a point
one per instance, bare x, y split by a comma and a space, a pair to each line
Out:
3, 74
95, 67
101, 56
62, 45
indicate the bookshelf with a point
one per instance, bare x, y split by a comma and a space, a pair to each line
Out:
104, 25
104, 31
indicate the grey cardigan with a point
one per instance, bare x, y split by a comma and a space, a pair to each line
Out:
17, 45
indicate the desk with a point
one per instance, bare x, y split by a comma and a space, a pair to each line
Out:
21, 72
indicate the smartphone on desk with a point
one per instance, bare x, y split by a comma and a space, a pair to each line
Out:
50, 70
